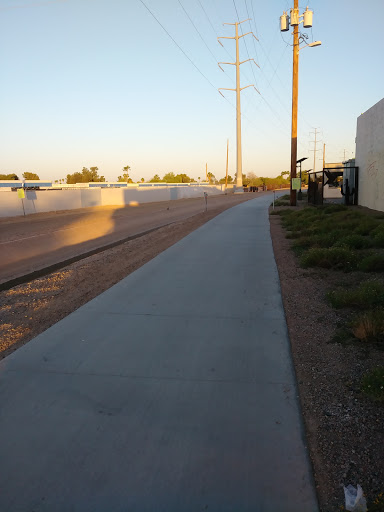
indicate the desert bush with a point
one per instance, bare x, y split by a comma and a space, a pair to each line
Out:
366, 295
369, 326
341, 258
354, 241
373, 262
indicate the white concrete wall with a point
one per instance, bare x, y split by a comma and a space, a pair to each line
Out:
370, 157
38, 201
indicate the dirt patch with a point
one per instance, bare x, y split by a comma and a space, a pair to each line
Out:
344, 428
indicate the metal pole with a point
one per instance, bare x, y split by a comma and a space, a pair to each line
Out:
226, 169
323, 156
314, 153
295, 96
300, 194
239, 166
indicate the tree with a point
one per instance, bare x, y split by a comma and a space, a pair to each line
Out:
155, 179
304, 177
30, 176
169, 177
8, 177
253, 180
211, 177
179, 178
182, 178
125, 177
230, 180
93, 175
85, 176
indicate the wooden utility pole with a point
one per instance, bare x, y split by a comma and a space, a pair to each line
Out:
226, 169
295, 97
294, 21
206, 172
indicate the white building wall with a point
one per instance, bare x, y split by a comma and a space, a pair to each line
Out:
39, 201
370, 157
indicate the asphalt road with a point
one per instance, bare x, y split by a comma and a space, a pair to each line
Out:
32, 243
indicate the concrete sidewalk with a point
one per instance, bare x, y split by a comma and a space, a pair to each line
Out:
171, 392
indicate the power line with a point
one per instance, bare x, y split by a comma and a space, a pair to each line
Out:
245, 42
213, 28
36, 4
262, 97
269, 82
250, 26
194, 26
201, 37
256, 107
179, 47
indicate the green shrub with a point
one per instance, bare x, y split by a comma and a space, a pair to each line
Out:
365, 226
372, 263
366, 295
319, 240
333, 208
280, 202
353, 241
378, 236
372, 384
335, 257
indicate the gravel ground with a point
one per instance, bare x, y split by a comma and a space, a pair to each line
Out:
344, 429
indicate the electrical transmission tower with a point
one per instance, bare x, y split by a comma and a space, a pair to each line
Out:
239, 165
315, 133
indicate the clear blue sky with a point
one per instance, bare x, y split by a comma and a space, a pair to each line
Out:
100, 83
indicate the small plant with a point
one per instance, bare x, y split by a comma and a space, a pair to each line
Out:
372, 384
378, 239
354, 241
366, 295
343, 336
369, 326
341, 258
372, 263
332, 208
282, 202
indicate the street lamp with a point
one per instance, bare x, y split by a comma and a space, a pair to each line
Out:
300, 194
295, 21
